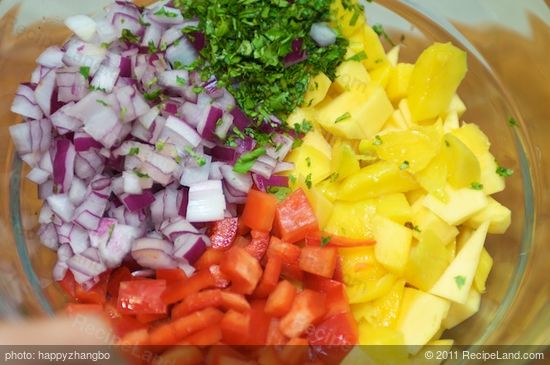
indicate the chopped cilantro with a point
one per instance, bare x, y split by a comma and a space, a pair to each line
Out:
405, 165
133, 151
342, 117
152, 47
417, 229
180, 81
334, 177
123, 112
279, 192
110, 234
201, 161
308, 182
106, 45
512, 122
358, 57
85, 72
102, 102
129, 37
292, 179
163, 12
447, 143
140, 174
379, 29
308, 161
476, 186
153, 95
178, 159
325, 240
504, 172
303, 128
198, 89
377, 140
159, 145
246, 161
297, 143
460, 281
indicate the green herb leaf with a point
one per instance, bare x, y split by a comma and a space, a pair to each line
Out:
153, 95
325, 240
85, 72
405, 165
163, 12
133, 151
128, 36
460, 281
476, 186
140, 174
512, 122
159, 146
504, 172
379, 29
123, 112
152, 47
342, 117
308, 182
377, 140
308, 161
246, 161
280, 192
181, 81
200, 159
334, 177
358, 57
102, 102
303, 128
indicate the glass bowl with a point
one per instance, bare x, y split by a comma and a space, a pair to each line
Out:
508, 76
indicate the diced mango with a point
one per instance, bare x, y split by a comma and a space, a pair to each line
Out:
344, 161
393, 55
483, 270
299, 115
435, 79
458, 313
317, 90
395, 207
428, 259
316, 140
463, 167
329, 189
393, 242
376, 55
348, 16
411, 150
383, 311
309, 163
381, 75
406, 112
395, 123
472, 136
352, 219
381, 346
420, 317
498, 216
456, 106
398, 84
491, 181
375, 180
434, 177
321, 205
426, 221
455, 283
462, 204
351, 75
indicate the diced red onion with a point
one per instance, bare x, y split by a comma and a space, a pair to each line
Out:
139, 201
25, 103
48, 236
75, 236
182, 130
85, 266
38, 176
165, 206
82, 25
182, 52
44, 91
176, 226
31, 136
223, 127
297, 55
59, 271
184, 200
283, 167
45, 190
190, 247
78, 191
264, 166
52, 57
240, 182
207, 126
88, 163
105, 78
61, 205
63, 165
193, 173
206, 202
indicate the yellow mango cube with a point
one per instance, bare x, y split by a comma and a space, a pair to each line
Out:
395, 207
491, 181
381, 75
351, 75
393, 55
471, 135
376, 55
462, 204
434, 177
344, 161
383, 311
310, 163
315, 139
420, 317
398, 83
352, 219
380, 346
393, 242
458, 312
463, 167
483, 269
317, 90
434, 80
498, 216
375, 180
347, 16
427, 221
428, 259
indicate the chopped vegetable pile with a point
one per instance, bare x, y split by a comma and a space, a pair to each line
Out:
260, 173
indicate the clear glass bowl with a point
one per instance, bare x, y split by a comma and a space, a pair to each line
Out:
508, 76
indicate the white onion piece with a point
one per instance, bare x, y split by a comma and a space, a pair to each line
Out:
186, 134
131, 183
182, 52
165, 206
240, 182
189, 270
105, 78
81, 25
283, 167
52, 57
194, 173
322, 34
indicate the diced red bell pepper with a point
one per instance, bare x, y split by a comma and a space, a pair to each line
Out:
258, 245
138, 337
280, 300
179, 290
225, 355
319, 260
295, 352
222, 233
308, 307
95, 295
316, 238
196, 321
220, 279
235, 327
209, 257
242, 269
68, 284
242, 229
148, 318
290, 256
163, 335
274, 335
170, 275
205, 337
197, 301
259, 323
234, 301
181, 355
270, 277
268, 356
142, 297
335, 293
118, 275
259, 211
295, 218
337, 330
125, 324
73, 309
338, 272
